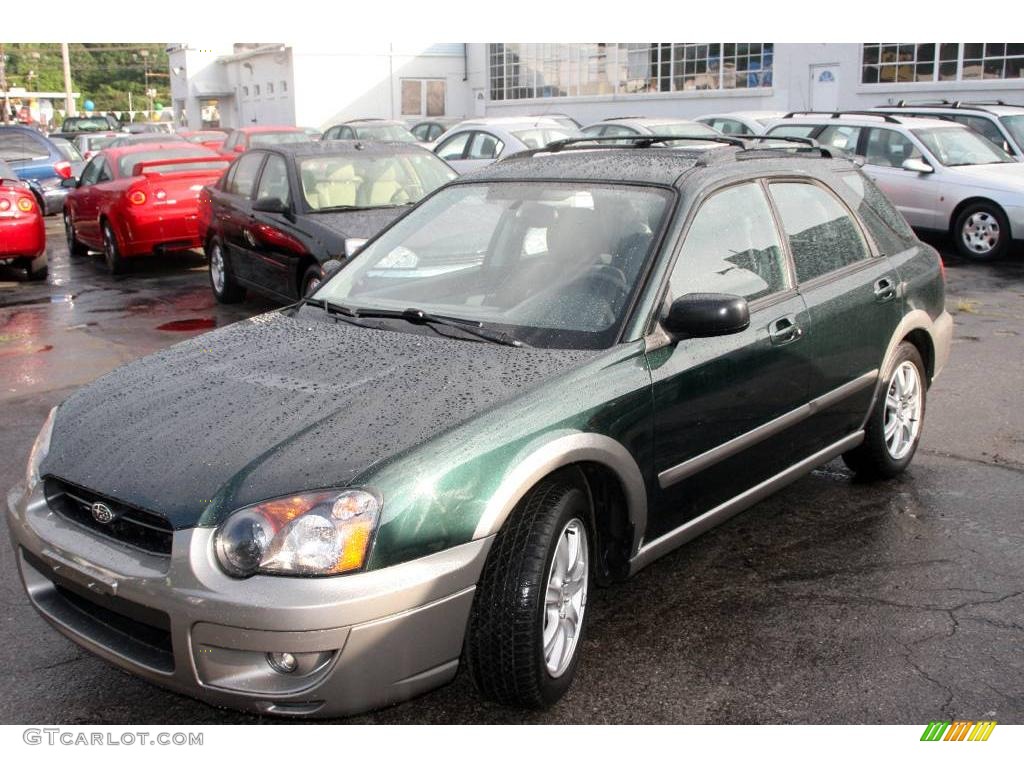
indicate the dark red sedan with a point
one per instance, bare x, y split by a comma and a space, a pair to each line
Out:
137, 200
22, 232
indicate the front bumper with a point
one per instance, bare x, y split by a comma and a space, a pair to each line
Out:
363, 641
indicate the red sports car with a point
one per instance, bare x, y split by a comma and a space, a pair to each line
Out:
241, 139
22, 232
136, 200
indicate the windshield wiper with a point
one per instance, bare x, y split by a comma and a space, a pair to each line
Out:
419, 317
333, 208
337, 311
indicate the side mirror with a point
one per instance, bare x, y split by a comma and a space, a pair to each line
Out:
917, 166
69, 183
698, 315
330, 268
271, 205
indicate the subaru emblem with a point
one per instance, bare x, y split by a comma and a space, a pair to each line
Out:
101, 513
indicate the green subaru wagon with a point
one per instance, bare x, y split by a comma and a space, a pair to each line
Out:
541, 378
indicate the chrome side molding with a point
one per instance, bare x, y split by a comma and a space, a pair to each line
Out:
692, 466
651, 551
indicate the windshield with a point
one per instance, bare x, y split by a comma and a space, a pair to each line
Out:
270, 138
366, 181
383, 133
198, 138
552, 265
535, 138
126, 163
86, 124
94, 143
1015, 125
684, 129
68, 150
955, 146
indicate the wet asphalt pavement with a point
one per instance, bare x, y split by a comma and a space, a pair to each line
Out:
831, 602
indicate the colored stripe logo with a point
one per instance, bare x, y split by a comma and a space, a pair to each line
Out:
958, 730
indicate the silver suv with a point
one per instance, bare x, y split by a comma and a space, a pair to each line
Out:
997, 121
939, 174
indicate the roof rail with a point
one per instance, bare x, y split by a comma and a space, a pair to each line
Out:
639, 141
623, 117
804, 140
840, 113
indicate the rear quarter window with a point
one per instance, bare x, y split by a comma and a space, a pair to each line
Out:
873, 206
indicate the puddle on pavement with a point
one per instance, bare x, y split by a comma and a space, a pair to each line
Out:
57, 298
194, 324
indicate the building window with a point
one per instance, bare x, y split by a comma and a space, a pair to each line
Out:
270, 89
423, 97
284, 86
255, 90
528, 71
928, 62
245, 90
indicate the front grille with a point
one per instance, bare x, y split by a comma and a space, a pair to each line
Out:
132, 526
128, 629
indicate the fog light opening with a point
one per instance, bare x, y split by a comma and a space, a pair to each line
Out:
285, 663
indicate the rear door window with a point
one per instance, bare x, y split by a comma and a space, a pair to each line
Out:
842, 137
243, 177
484, 146
274, 180
823, 235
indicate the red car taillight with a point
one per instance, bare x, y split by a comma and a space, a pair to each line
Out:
5, 205
137, 197
63, 169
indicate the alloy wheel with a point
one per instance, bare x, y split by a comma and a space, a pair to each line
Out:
980, 232
217, 268
903, 401
565, 598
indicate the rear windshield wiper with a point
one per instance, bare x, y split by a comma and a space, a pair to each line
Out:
419, 317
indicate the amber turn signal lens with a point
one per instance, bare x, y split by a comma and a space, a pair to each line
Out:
25, 204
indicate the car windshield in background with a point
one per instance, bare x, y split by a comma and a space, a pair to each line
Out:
361, 181
271, 138
961, 146
126, 163
95, 143
549, 265
206, 136
684, 129
68, 150
384, 133
1015, 125
535, 138
86, 124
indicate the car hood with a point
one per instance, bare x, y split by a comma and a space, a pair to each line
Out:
363, 223
276, 404
999, 176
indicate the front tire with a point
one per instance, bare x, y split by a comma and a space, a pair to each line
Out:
222, 281
311, 280
982, 232
111, 252
529, 611
893, 430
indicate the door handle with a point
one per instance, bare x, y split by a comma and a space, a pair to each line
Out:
784, 330
885, 289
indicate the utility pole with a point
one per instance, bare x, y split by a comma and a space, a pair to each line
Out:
6, 108
69, 103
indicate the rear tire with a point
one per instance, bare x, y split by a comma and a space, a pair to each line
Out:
529, 611
39, 274
111, 252
893, 429
75, 248
982, 232
222, 282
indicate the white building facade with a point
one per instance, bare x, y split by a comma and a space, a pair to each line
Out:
283, 84
312, 86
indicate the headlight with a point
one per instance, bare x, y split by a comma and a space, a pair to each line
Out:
323, 533
40, 448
